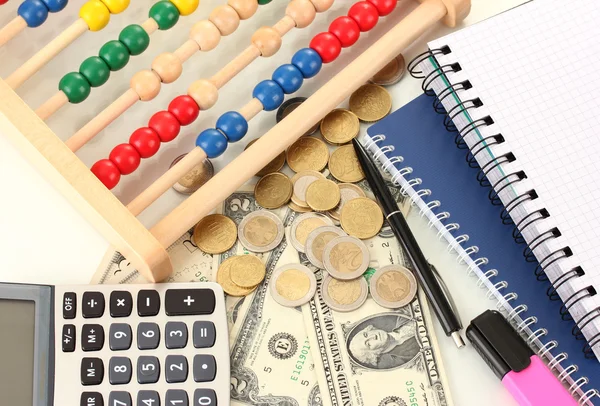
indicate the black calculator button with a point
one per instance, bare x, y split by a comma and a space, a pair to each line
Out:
119, 370
68, 338
176, 397
69, 305
91, 399
119, 398
184, 302
92, 305
205, 368
205, 397
176, 335
92, 337
119, 336
148, 398
205, 334
92, 371
176, 368
148, 303
148, 336
148, 369
121, 303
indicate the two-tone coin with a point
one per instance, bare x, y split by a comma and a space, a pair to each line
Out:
298, 209
348, 191
317, 240
302, 227
344, 165
346, 258
307, 153
300, 182
340, 126
261, 231
344, 296
290, 105
215, 234
247, 271
224, 279
273, 190
322, 195
275, 165
293, 285
195, 178
370, 103
393, 286
361, 218
391, 73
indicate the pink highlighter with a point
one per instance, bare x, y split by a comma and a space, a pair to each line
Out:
522, 372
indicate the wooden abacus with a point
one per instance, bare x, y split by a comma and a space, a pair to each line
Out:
146, 248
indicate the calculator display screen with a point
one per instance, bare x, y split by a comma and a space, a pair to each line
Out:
17, 336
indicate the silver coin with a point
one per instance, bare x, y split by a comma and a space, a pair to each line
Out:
346, 258
302, 227
293, 285
300, 183
261, 231
344, 296
393, 286
348, 191
317, 240
194, 179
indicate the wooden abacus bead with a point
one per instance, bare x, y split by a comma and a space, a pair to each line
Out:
225, 18
346, 30
146, 141
212, 141
54, 6
116, 6
107, 172
165, 124
269, 93
185, 109
204, 92
95, 14
206, 34
165, 14
365, 14
302, 12
186, 7
168, 67
34, 12
384, 7
267, 40
322, 5
126, 158
146, 84
327, 45
244, 8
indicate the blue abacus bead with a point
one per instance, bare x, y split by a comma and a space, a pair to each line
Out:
269, 93
212, 141
34, 12
308, 61
288, 77
54, 6
233, 125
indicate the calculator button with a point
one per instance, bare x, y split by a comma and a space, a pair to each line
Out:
121, 304
92, 371
148, 303
148, 398
68, 338
92, 305
119, 370
92, 337
204, 334
176, 368
148, 336
183, 302
176, 334
119, 399
91, 399
176, 397
205, 397
69, 305
148, 369
119, 336
205, 368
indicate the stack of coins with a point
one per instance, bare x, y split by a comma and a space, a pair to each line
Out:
240, 275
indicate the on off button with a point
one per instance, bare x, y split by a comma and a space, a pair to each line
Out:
69, 305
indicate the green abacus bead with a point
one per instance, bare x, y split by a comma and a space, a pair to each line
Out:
115, 54
95, 70
263, 2
165, 14
75, 86
135, 38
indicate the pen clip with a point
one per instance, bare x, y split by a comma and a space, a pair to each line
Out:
445, 290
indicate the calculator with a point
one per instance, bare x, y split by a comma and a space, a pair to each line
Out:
114, 345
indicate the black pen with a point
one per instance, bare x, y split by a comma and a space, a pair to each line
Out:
426, 277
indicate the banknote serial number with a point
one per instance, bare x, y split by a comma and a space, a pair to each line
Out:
412, 394
300, 364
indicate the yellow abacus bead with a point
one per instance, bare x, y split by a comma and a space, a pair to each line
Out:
186, 7
95, 14
116, 6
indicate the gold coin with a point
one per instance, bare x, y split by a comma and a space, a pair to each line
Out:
198, 176
273, 166
299, 209
323, 195
301, 181
391, 73
224, 279
371, 103
247, 271
273, 190
215, 234
344, 165
292, 285
308, 153
361, 218
340, 126
348, 191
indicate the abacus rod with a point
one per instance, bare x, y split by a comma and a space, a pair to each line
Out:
12, 29
150, 25
235, 66
52, 105
267, 147
284, 25
186, 50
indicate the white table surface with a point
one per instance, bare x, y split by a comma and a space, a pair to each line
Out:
44, 240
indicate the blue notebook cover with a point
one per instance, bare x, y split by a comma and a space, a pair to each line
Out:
418, 134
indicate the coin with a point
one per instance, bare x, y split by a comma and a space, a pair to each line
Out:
344, 165
260, 231
273, 166
301, 181
339, 126
224, 279
215, 234
346, 257
322, 195
391, 73
361, 218
290, 105
393, 286
348, 191
198, 176
370, 103
344, 296
308, 153
247, 271
316, 242
293, 285
273, 190
299, 209
303, 225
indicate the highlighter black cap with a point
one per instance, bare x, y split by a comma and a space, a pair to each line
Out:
498, 343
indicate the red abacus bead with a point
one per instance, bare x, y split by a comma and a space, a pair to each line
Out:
2, 2
146, 141
107, 172
346, 30
327, 45
384, 7
365, 14
125, 157
185, 109
165, 124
